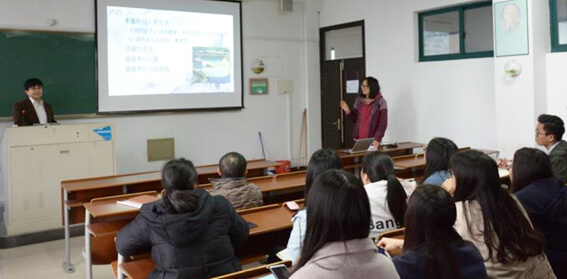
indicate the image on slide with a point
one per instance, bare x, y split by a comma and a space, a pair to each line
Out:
211, 65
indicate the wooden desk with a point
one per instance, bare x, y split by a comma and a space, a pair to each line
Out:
138, 269
273, 223
353, 160
77, 192
412, 166
141, 269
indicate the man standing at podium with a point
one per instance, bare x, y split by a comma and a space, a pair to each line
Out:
33, 109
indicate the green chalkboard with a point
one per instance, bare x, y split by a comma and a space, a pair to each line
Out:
64, 62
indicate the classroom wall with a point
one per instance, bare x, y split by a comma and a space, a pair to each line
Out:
453, 99
280, 39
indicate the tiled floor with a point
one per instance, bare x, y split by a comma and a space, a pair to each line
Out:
45, 260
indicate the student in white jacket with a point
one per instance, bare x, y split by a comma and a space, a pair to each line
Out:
388, 199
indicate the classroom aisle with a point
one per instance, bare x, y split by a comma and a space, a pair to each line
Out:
45, 260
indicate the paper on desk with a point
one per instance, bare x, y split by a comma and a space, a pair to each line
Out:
130, 204
503, 172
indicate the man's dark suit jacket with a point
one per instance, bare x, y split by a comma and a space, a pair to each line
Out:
558, 157
24, 113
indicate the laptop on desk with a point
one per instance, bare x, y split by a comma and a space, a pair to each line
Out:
360, 145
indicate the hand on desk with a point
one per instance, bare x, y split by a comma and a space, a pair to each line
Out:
504, 163
390, 244
376, 144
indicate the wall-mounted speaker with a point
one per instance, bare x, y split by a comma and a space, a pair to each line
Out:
286, 6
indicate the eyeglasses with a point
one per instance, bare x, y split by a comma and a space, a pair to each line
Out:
538, 134
35, 88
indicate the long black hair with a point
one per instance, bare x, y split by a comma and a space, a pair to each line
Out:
178, 178
379, 166
529, 165
373, 85
339, 210
437, 155
320, 161
508, 234
429, 222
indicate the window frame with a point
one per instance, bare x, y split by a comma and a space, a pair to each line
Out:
554, 28
462, 51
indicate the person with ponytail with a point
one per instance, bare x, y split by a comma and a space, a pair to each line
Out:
432, 247
336, 239
386, 194
189, 233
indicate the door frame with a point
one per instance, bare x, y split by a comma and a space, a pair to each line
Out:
322, 60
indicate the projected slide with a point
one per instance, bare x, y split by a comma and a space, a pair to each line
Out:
153, 51
168, 55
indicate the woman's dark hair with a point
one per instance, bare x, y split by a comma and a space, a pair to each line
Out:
529, 165
507, 231
437, 155
178, 178
320, 161
373, 85
379, 166
338, 210
429, 224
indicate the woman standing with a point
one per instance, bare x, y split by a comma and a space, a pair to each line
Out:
369, 112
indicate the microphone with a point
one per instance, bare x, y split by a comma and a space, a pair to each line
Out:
23, 117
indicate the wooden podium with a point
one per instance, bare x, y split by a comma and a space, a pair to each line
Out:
38, 158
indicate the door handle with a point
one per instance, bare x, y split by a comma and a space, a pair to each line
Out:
338, 123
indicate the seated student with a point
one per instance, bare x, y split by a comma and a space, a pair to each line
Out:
320, 161
509, 244
437, 156
233, 184
545, 199
32, 110
189, 233
336, 239
549, 134
432, 247
386, 194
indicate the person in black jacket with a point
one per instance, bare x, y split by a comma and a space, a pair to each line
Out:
190, 233
544, 197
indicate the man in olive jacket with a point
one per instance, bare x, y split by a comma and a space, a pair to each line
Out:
549, 133
233, 185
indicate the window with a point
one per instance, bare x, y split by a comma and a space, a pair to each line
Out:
558, 16
456, 33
